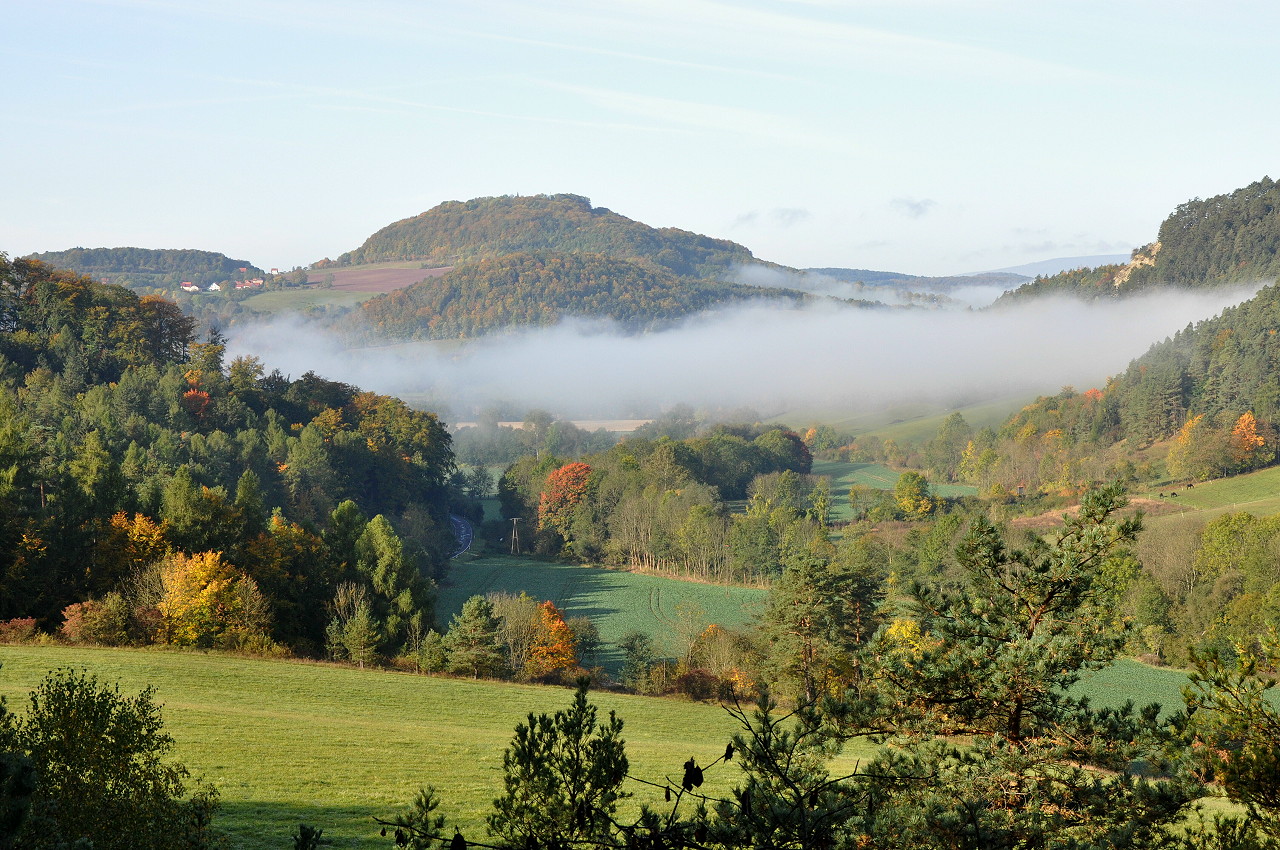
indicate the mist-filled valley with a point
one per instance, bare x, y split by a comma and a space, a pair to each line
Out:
767, 357
647, 425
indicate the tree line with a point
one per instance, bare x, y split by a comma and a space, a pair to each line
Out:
663, 505
162, 269
149, 491
540, 289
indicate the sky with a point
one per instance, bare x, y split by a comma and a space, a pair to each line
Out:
921, 136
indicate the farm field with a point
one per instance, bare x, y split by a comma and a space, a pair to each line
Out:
1129, 680
844, 475
904, 422
618, 602
348, 286
302, 298
1257, 492
290, 742
375, 277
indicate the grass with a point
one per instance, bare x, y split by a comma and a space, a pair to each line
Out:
303, 298
1127, 680
1257, 492
844, 475
293, 742
289, 742
617, 602
904, 422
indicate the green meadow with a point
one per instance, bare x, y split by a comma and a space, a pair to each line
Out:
290, 742
874, 475
1258, 493
293, 742
903, 422
617, 602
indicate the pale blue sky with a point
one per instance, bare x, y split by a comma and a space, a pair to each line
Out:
924, 136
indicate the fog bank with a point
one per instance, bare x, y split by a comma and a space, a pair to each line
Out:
767, 356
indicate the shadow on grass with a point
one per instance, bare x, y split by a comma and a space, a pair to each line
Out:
254, 825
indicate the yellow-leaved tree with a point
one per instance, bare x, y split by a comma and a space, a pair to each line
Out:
1247, 443
207, 602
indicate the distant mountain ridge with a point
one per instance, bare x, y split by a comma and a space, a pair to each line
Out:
158, 268
920, 282
1055, 265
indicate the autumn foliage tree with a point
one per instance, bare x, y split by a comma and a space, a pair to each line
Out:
553, 646
207, 602
566, 488
1246, 442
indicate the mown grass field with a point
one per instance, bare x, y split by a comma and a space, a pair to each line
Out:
618, 602
298, 299
903, 422
845, 475
288, 743
1258, 493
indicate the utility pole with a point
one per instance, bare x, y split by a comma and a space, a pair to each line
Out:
515, 535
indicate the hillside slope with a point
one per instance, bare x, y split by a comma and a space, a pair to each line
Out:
1220, 368
1226, 239
158, 268
538, 290
484, 228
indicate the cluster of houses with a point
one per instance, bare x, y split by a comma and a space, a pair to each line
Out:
248, 283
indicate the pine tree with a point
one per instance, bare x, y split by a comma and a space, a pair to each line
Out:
994, 663
401, 596
562, 777
472, 640
819, 612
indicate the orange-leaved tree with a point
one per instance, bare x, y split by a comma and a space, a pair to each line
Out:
566, 488
553, 646
1245, 440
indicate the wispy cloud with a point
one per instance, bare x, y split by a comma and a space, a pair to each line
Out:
914, 207
704, 116
779, 217
822, 33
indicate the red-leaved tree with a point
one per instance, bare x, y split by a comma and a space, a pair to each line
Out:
565, 489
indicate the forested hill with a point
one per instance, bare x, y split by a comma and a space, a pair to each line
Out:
1214, 387
1232, 238
164, 268
483, 228
542, 289
165, 496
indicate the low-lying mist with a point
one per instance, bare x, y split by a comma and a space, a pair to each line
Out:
769, 357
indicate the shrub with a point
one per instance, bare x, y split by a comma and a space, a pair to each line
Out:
101, 778
104, 622
697, 684
18, 630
